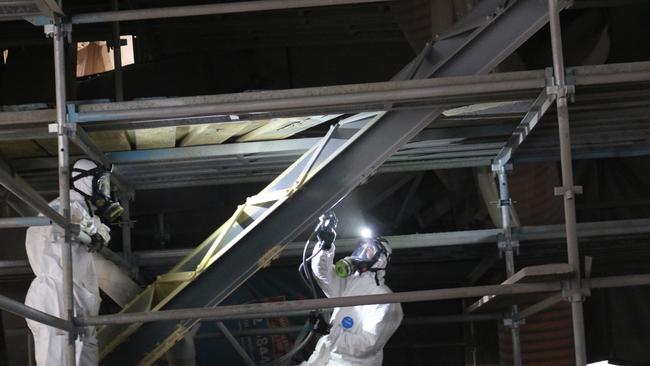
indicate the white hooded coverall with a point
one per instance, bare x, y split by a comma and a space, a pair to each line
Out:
358, 334
43, 245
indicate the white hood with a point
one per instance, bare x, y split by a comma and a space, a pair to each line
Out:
84, 184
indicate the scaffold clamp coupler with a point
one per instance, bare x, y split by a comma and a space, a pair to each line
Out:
501, 168
571, 291
504, 245
568, 192
513, 321
69, 129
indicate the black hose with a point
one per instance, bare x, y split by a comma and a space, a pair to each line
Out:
305, 269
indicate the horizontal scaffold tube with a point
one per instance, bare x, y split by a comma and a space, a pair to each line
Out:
282, 101
297, 307
16, 222
22, 310
207, 9
282, 308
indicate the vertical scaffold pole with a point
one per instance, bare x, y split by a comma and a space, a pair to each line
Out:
58, 37
508, 249
568, 190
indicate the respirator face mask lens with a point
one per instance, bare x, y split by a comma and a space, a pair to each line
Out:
366, 251
104, 184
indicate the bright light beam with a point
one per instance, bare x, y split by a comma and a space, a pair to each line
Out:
366, 233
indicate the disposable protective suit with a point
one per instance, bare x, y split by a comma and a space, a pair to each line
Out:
43, 245
357, 334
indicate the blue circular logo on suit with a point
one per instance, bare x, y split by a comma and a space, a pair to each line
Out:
347, 322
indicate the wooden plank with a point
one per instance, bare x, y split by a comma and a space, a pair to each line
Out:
280, 128
111, 140
21, 149
216, 133
50, 145
13, 118
155, 138
543, 273
105, 140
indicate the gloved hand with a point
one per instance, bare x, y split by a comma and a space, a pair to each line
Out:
96, 244
101, 237
88, 226
318, 323
326, 230
326, 237
102, 230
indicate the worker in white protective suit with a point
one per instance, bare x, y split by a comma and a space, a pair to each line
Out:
357, 334
90, 204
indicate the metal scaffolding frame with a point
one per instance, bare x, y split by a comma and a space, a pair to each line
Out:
557, 91
450, 146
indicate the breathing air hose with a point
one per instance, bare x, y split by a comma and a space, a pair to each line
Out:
326, 222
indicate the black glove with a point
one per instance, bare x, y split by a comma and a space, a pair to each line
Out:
96, 243
318, 323
326, 230
326, 238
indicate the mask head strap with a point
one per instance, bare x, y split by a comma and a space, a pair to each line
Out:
381, 243
95, 173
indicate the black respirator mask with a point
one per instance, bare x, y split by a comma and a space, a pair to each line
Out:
107, 209
367, 253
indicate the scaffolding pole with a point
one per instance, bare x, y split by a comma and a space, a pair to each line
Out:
117, 57
507, 247
298, 307
126, 225
568, 191
207, 9
311, 100
64, 185
28, 312
17, 222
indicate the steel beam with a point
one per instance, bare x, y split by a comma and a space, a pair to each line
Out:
292, 148
207, 9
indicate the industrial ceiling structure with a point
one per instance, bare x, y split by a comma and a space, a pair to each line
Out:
512, 188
